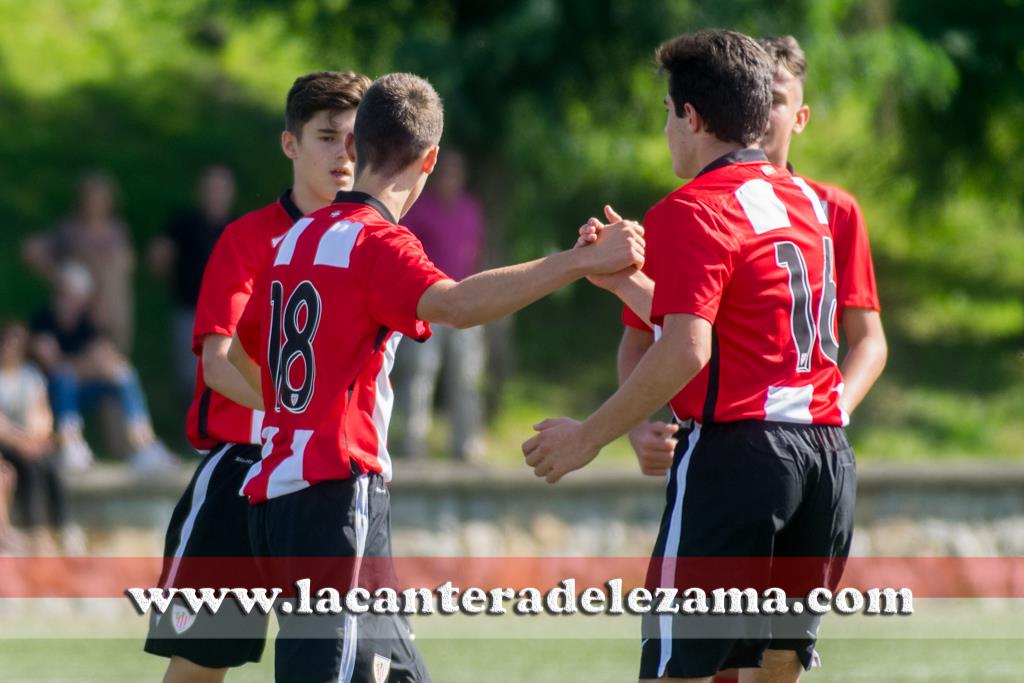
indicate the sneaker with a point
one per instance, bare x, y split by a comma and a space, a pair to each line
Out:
76, 456
153, 459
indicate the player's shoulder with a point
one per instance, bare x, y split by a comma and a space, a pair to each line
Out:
268, 221
831, 194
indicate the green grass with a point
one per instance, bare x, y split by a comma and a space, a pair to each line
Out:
944, 641
537, 661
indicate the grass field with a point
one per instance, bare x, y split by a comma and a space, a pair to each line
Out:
538, 661
944, 641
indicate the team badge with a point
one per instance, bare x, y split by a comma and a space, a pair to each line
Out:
381, 668
181, 619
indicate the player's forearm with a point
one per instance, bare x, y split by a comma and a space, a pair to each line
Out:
861, 368
496, 293
232, 375
637, 292
661, 373
632, 347
865, 357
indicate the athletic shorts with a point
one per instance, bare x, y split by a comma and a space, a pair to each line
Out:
744, 501
336, 534
210, 521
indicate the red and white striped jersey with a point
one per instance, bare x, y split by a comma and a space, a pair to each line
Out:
324, 324
228, 281
748, 247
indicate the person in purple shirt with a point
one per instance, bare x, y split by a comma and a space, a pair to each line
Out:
449, 222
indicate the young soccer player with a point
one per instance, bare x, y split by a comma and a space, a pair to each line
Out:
224, 421
346, 284
744, 314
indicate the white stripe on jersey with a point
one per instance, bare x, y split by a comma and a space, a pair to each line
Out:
764, 209
336, 244
383, 405
819, 206
256, 427
669, 559
287, 248
789, 404
287, 476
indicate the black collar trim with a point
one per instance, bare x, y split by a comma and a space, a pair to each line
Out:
353, 197
290, 207
735, 157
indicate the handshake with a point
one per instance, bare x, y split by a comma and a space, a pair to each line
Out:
612, 251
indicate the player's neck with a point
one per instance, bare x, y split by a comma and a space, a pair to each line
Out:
392, 192
711, 149
307, 200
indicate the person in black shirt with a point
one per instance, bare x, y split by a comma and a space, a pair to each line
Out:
180, 255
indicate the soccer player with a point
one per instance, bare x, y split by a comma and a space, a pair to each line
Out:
211, 519
746, 345
347, 283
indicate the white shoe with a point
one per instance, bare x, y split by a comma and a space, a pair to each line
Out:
153, 459
76, 456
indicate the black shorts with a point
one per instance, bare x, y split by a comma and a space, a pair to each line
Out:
210, 521
316, 533
749, 492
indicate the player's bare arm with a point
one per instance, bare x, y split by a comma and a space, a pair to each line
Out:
865, 357
653, 443
563, 444
221, 375
496, 293
248, 372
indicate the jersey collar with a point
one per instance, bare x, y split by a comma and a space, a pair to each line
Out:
735, 157
289, 205
353, 197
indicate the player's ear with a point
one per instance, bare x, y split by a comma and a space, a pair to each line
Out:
803, 115
289, 145
693, 118
350, 146
430, 159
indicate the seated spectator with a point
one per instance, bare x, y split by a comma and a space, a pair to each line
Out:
82, 367
26, 443
94, 235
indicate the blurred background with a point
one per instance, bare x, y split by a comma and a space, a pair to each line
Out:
132, 130
916, 109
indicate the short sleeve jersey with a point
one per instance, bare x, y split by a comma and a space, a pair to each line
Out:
747, 246
324, 325
243, 249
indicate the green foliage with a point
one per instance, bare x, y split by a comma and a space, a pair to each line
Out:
916, 109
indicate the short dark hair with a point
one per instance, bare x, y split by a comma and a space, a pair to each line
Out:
786, 52
400, 117
726, 76
333, 91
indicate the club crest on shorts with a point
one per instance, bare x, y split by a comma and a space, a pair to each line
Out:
381, 668
181, 619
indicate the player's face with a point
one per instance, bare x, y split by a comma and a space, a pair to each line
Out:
788, 116
322, 165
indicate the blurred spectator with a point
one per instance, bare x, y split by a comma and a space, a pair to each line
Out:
11, 541
180, 255
449, 222
94, 236
26, 442
83, 367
